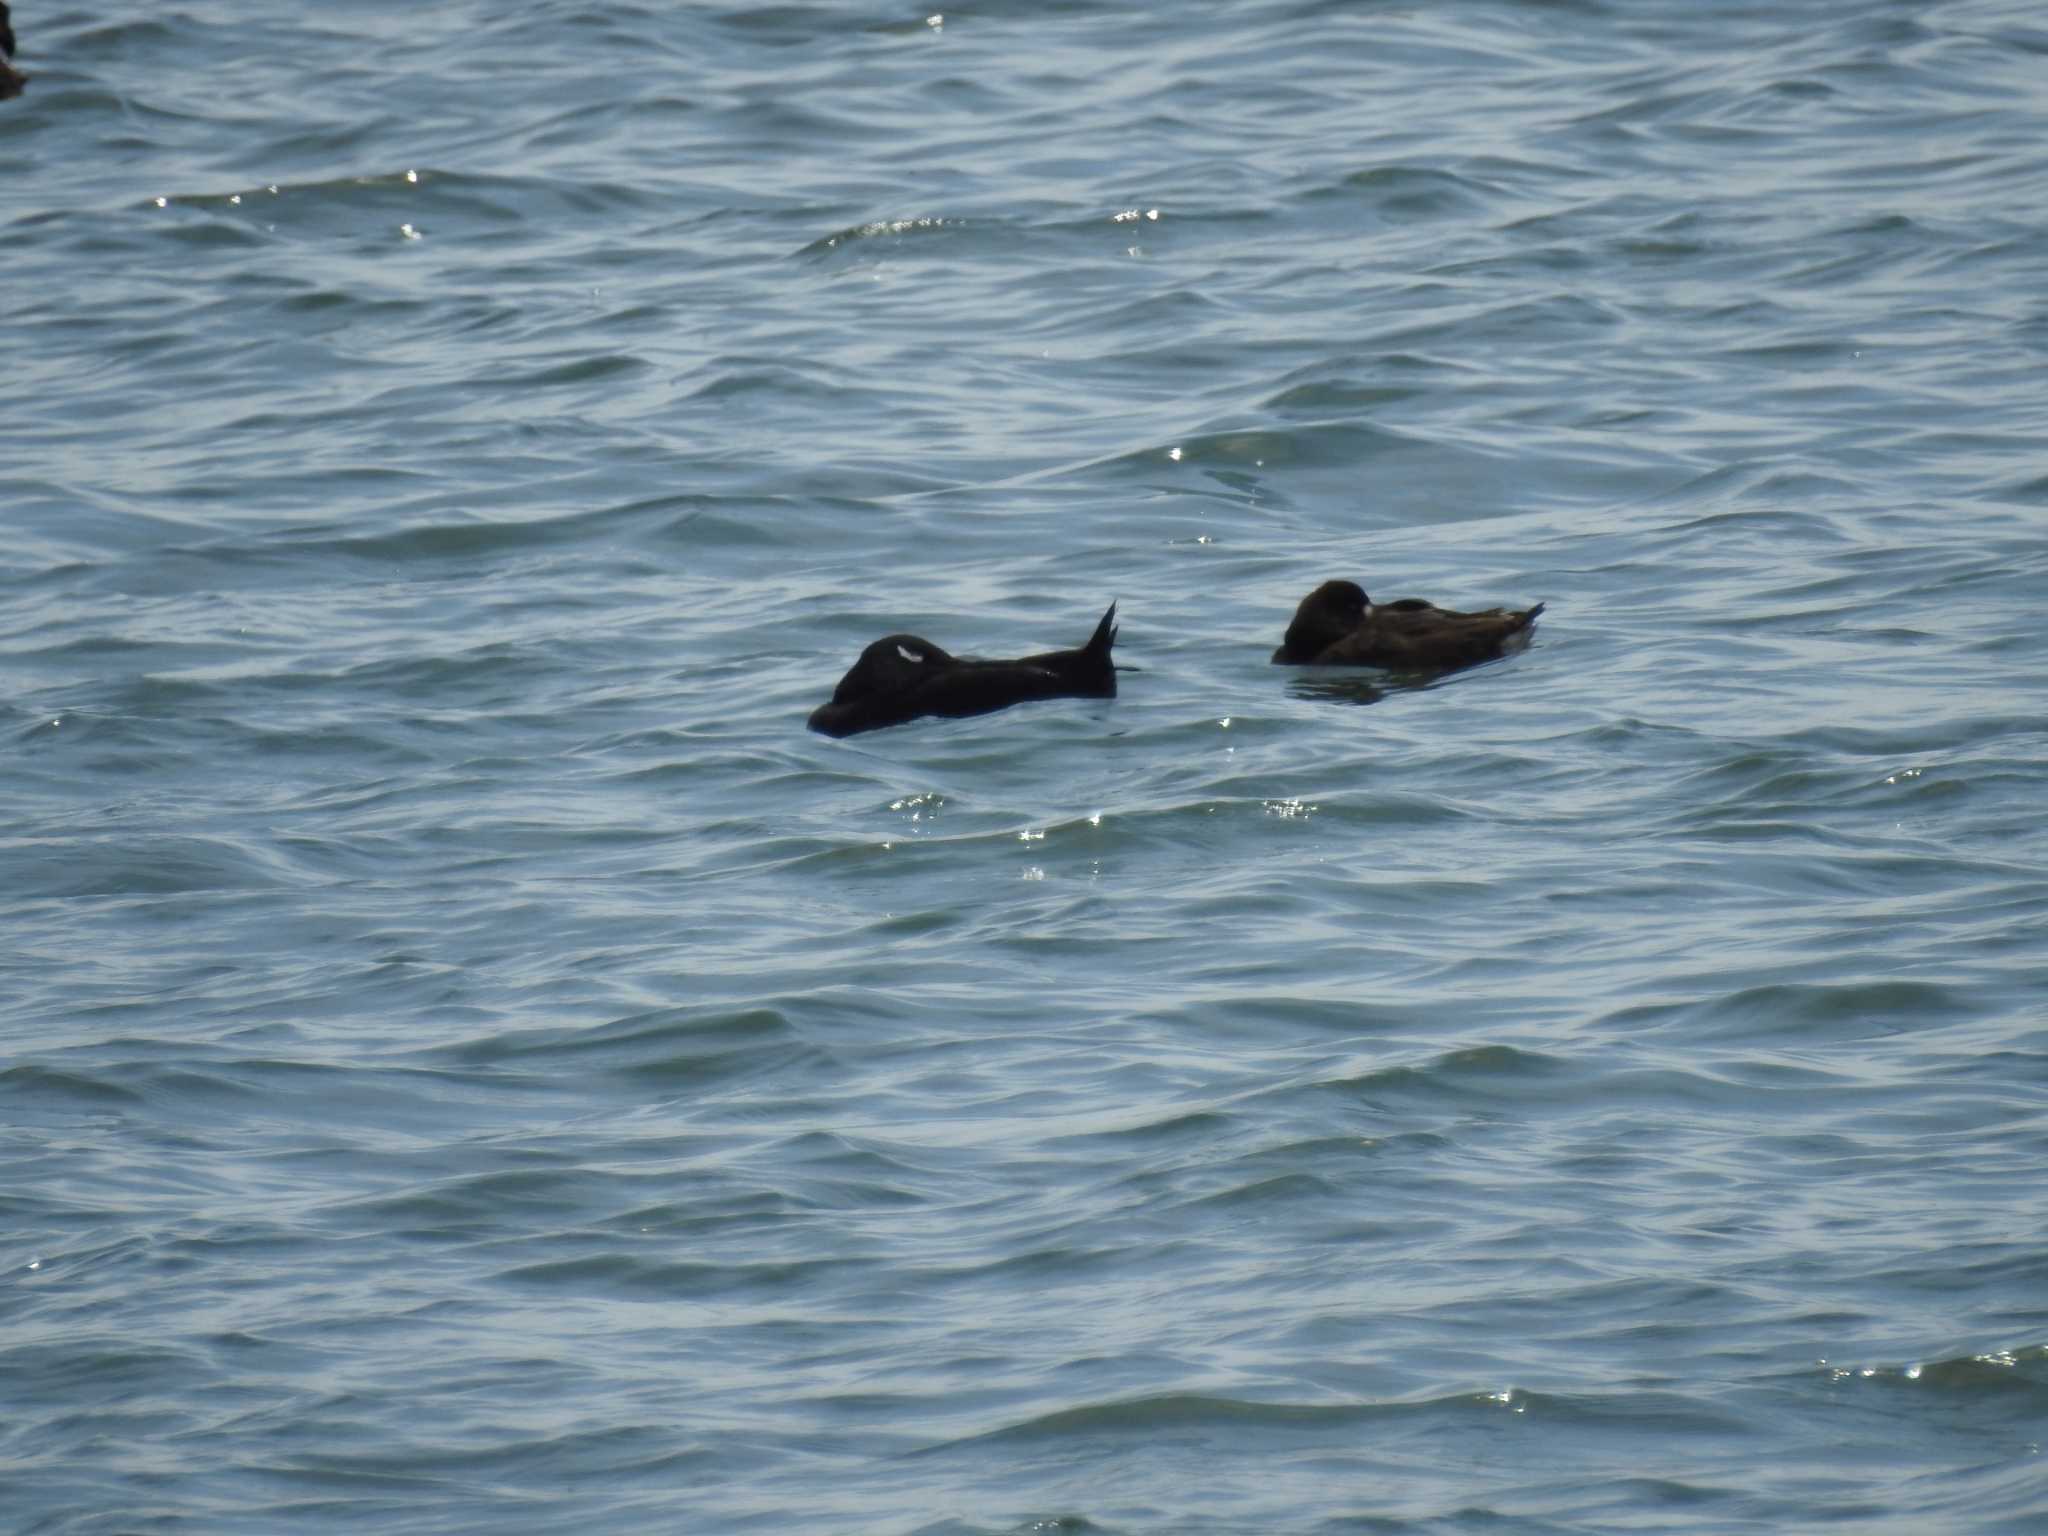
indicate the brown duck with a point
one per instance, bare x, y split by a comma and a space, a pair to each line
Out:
1337, 625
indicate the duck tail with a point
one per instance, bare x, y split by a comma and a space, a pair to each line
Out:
1091, 670
1097, 648
1530, 617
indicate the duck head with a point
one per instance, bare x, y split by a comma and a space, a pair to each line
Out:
892, 664
1325, 616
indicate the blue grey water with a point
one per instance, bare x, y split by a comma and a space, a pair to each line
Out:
471, 1061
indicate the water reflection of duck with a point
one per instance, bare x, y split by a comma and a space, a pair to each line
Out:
904, 677
1338, 625
11, 79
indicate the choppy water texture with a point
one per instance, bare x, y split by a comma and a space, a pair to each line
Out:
474, 1063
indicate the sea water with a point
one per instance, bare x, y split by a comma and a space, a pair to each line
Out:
470, 1061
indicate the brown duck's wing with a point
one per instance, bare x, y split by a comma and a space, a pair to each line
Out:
1398, 639
1415, 634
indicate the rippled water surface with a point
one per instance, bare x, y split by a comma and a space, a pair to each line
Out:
471, 1061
